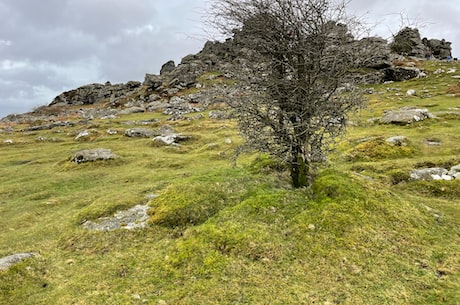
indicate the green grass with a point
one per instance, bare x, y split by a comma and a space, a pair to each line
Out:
219, 234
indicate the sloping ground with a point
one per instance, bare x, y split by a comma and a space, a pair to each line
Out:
219, 234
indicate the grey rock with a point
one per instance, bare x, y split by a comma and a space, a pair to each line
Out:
398, 74
172, 139
152, 81
397, 140
133, 218
406, 115
411, 92
140, 133
132, 110
11, 260
89, 155
83, 135
455, 171
433, 173
49, 126
166, 130
167, 67
219, 115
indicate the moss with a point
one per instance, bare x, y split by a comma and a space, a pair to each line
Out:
378, 149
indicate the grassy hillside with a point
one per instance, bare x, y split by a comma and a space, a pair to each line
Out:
238, 235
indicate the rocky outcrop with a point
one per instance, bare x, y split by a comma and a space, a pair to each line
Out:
408, 42
94, 93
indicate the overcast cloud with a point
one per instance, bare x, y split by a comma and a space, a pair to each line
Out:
49, 46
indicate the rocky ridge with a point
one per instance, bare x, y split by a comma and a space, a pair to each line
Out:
190, 86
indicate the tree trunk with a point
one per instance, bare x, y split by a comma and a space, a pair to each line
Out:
299, 172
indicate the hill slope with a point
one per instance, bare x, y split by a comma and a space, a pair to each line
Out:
218, 234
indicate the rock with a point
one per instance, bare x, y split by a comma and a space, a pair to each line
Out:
132, 110
11, 260
8, 141
83, 135
411, 92
408, 42
455, 171
89, 155
95, 93
112, 132
405, 115
397, 140
49, 126
152, 81
433, 173
398, 74
440, 49
167, 67
166, 130
140, 133
172, 139
135, 217
219, 115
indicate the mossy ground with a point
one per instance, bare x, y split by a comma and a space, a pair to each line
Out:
219, 234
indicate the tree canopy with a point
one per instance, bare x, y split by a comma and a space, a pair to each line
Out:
296, 101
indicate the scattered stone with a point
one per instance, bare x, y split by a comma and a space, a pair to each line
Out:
11, 260
89, 155
45, 139
112, 132
433, 173
406, 115
397, 140
140, 133
438, 71
133, 218
411, 92
8, 141
83, 135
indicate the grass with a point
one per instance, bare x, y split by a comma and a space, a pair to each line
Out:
219, 234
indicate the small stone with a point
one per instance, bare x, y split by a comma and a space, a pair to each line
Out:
83, 134
311, 227
411, 92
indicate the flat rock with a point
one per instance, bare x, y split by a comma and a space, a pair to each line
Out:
406, 115
11, 260
135, 217
140, 133
89, 155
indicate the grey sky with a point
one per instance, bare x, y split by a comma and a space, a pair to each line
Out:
50, 46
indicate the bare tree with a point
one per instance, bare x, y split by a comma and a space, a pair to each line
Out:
300, 53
